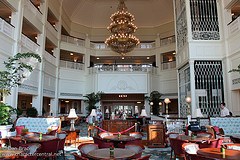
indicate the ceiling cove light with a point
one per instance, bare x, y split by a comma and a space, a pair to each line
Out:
122, 28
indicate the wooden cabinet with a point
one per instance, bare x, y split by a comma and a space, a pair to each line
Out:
118, 125
156, 135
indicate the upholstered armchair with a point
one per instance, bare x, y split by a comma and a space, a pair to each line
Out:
212, 143
49, 148
102, 143
62, 137
176, 145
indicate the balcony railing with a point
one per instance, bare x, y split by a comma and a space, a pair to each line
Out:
72, 65
50, 58
234, 27
33, 9
73, 40
6, 28
169, 65
81, 42
122, 68
167, 41
29, 44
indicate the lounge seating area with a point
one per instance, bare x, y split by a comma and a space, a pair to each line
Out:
135, 144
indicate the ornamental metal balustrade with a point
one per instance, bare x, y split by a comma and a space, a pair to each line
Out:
80, 42
121, 68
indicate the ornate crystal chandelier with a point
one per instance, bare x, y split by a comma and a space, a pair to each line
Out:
122, 39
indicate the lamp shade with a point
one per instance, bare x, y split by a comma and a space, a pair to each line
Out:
167, 100
136, 109
107, 110
93, 113
199, 113
143, 113
72, 113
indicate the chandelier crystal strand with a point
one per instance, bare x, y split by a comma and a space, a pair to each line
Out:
122, 28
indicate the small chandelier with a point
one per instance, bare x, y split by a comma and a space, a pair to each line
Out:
122, 39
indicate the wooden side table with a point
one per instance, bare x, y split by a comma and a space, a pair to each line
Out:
72, 137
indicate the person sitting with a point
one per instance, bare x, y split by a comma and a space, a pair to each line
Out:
224, 110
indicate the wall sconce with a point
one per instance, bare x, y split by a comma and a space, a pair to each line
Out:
167, 101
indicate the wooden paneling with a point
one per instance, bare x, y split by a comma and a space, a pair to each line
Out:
116, 126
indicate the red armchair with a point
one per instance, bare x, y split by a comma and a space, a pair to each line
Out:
176, 145
62, 137
50, 148
102, 143
214, 143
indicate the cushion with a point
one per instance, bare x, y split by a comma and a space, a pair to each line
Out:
19, 130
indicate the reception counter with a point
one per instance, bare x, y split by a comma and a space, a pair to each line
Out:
118, 125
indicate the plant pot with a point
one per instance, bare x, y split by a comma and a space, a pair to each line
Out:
4, 129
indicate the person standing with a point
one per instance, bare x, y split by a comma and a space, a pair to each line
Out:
99, 115
224, 110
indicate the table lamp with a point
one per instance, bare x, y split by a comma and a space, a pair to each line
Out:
136, 110
144, 115
72, 116
94, 115
107, 112
199, 114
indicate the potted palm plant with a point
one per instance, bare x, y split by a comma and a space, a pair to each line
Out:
12, 76
92, 99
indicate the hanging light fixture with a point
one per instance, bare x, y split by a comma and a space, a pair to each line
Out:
122, 39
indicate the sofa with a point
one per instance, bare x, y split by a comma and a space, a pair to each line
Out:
42, 125
230, 125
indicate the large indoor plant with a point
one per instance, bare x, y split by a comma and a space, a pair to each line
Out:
92, 99
15, 71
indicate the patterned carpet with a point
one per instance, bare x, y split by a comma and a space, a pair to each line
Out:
156, 153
